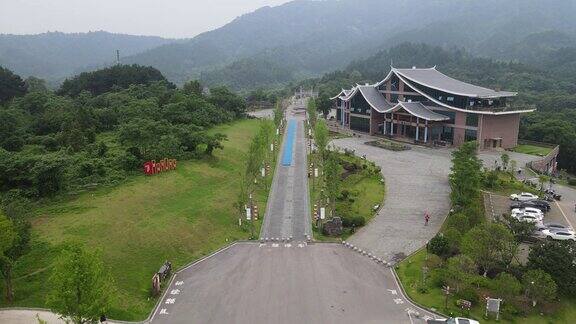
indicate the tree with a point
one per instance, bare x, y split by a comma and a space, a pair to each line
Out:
539, 286
332, 179
80, 287
324, 104
466, 175
321, 137
7, 238
559, 260
458, 270
506, 286
11, 85
489, 245
34, 84
505, 160
112, 78
17, 211
439, 246
192, 88
214, 142
278, 114
312, 112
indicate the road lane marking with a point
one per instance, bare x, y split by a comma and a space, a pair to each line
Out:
275, 245
399, 301
164, 311
170, 301
393, 291
179, 283
175, 292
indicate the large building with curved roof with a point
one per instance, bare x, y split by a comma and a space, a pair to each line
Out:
430, 107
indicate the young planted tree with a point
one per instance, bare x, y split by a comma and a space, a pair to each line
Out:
278, 114
312, 112
321, 137
458, 270
80, 287
466, 175
19, 228
505, 160
7, 238
506, 286
332, 180
539, 286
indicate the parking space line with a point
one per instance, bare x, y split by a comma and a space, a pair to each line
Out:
563, 214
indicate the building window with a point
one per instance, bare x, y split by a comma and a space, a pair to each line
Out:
471, 103
360, 124
351, 108
440, 98
472, 120
450, 98
470, 135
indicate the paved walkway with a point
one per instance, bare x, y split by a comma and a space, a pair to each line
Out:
416, 182
288, 211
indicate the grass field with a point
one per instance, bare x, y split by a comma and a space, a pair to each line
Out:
410, 273
178, 216
533, 149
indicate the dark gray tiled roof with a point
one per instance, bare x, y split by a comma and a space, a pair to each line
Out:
421, 111
434, 79
375, 99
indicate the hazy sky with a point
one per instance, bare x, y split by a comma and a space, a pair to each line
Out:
168, 18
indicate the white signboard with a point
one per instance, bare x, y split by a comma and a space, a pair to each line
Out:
263, 171
248, 214
277, 131
322, 213
309, 132
271, 147
316, 173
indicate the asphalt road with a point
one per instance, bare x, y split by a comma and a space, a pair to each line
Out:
286, 283
288, 212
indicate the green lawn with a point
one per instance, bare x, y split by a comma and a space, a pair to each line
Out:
410, 273
533, 149
178, 216
366, 189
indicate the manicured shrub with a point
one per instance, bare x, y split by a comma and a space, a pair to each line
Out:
439, 245
357, 221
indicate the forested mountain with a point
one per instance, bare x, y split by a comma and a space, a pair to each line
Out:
313, 37
53, 56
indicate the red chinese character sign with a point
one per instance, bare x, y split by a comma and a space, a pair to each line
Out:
153, 167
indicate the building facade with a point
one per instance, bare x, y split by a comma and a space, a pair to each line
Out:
431, 108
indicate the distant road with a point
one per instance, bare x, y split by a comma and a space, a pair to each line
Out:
288, 210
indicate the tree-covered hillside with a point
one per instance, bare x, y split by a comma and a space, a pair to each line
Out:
51, 143
54, 56
313, 37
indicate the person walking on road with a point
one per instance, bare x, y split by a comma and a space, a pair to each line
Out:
426, 218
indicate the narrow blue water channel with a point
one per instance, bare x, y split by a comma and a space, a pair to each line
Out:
289, 145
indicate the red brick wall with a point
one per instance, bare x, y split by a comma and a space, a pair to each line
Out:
504, 126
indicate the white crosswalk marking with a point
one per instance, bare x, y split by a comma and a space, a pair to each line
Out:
393, 291
163, 311
288, 245
262, 244
179, 283
175, 292
170, 300
275, 245
398, 301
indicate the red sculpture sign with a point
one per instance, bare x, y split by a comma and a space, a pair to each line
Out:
152, 167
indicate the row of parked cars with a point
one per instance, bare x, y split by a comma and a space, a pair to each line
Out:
527, 207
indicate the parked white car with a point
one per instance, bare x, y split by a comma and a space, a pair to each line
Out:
559, 235
530, 219
519, 213
525, 196
555, 227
